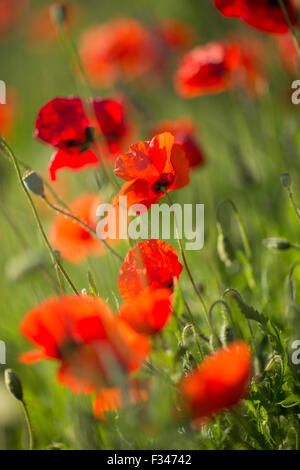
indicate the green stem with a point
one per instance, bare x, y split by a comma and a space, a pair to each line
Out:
292, 200
197, 292
56, 262
292, 29
240, 223
106, 172
28, 425
13, 226
74, 56
291, 282
49, 187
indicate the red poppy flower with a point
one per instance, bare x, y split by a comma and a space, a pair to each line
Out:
183, 132
266, 15
153, 264
176, 34
10, 12
288, 53
64, 124
151, 168
8, 113
82, 334
149, 312
110, 116
71, 239
122, 48
207, 70
252, 73
219, 382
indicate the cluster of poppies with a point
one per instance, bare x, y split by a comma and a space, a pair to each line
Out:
98, 351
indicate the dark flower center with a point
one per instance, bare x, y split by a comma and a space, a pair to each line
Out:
165, 181
83, 146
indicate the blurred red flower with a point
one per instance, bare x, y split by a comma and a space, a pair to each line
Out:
266, 15
64, 124
114, 125
176, 34
183, 131
70, 238
151, 168
152, 263
207, 69
111, 399
120, 49
8, 113
90, 344
252, 73
219, 382
10, 12
288, 53
149, 312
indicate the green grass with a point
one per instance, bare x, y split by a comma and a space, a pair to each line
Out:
248, 144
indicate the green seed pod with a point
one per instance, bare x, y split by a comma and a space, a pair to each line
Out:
59, 12
34, 183
286, 180
276, 244
224, 248
13, 384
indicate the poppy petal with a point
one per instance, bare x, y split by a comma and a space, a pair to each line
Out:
73, 161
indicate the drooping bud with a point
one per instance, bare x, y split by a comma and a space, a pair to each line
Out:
59, 13
34, 183
13, 384
285, 180
224, 248
277, 244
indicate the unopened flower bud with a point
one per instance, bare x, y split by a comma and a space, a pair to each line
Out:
285, 180
276, 244
34, 183
59, 12
13, 384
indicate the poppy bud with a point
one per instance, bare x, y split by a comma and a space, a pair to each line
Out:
225, 249
276, 244
285, 180
58, 12
34, 183
13, 384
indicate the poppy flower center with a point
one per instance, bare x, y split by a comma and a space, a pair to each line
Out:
85, 235
83, 146
68, 347
165, 181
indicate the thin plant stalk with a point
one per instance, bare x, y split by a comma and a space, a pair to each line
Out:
28, 425
56, 262
292, 29
197, 292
